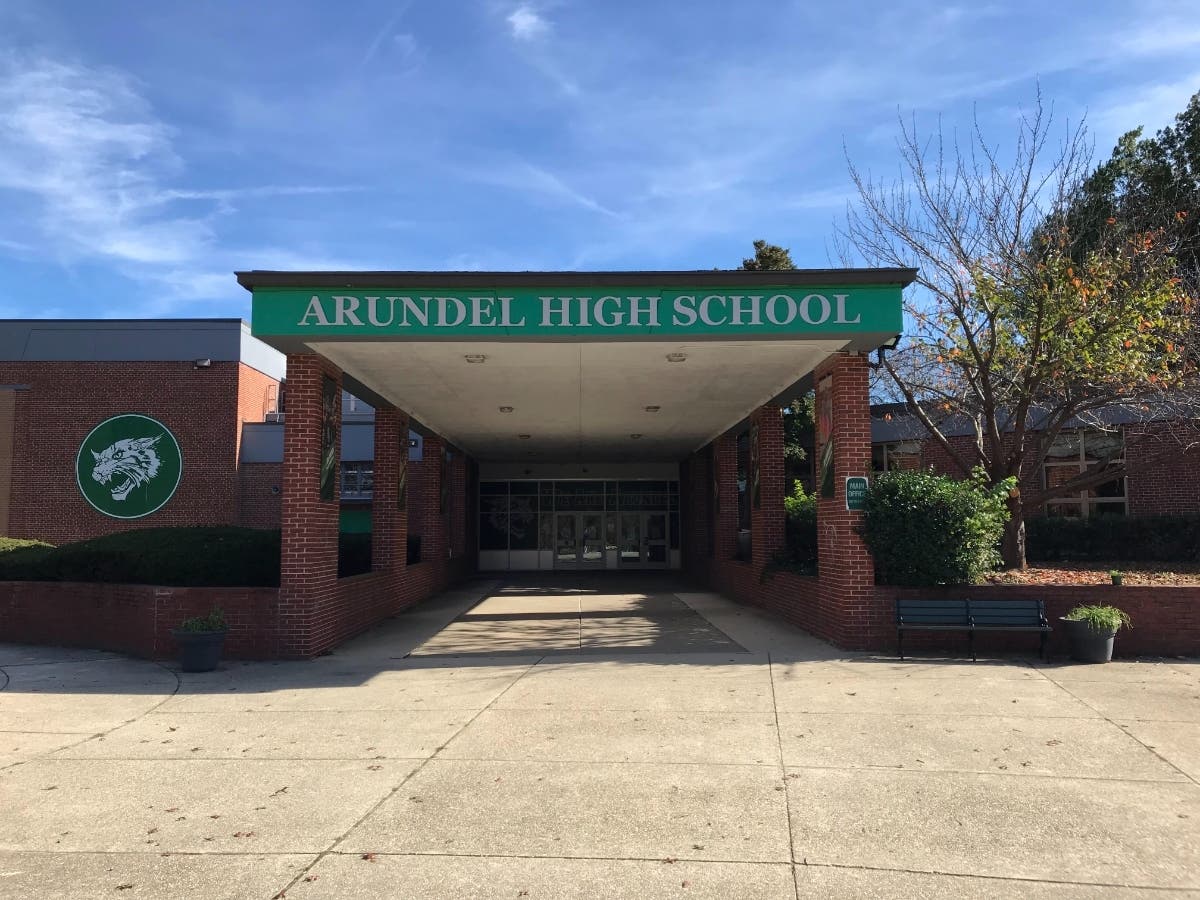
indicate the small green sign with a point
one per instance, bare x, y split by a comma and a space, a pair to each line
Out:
856, 493
129, 466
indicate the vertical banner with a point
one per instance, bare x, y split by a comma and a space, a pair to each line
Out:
716, 481
755, 493
402, 471
444, 504
825, 474
329, 437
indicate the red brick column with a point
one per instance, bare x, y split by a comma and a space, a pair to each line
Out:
389, 523
767, 518
433, 518
725, 519
847, 572
309, 551
457, 519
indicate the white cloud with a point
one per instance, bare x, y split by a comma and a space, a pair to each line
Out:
82, 150
527, 24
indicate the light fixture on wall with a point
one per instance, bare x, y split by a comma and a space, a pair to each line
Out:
202, 363
635, 436
506, 409
474, 357
653, 408
890, 345
676, 357
523, 437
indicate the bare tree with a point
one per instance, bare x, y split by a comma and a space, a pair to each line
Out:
1016, 330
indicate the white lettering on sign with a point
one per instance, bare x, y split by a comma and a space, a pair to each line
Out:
344, 311
823, 308
583, 312
840, 300
481, 308
685, 311
315, 310
506, 320
443, 308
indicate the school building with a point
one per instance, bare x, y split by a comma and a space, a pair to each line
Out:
471, 422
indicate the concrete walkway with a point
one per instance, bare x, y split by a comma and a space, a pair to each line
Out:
770, 767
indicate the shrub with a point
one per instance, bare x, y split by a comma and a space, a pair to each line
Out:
184, 557
799, 553
1111, 538
181, 557
8, 544
214, 621
1101, 618
925, 529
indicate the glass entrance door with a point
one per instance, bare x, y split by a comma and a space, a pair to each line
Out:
578, 540
654, 527
644, 540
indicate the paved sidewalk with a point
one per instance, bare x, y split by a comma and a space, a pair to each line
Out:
773, 767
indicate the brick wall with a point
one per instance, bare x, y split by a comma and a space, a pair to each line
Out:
1166, 620
1163, 462
134, 619
259, 494
66, 400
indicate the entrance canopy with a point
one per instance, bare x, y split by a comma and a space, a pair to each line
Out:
577, 366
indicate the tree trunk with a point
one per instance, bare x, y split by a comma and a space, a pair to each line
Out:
1012, 548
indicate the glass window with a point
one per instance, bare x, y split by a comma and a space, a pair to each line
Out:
1072, 454
493, 531
522, 523
358, 480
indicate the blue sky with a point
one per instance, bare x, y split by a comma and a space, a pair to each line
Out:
147, 150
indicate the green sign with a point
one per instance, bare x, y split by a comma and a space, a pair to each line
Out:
856, 493
486, 315
129, 466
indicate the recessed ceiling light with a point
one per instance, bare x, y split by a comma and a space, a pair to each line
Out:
506, 409
635, 436
676, 357
523, 437
653, 408
474, 357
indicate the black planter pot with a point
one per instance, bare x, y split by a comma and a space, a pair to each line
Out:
1088, 644
199, 651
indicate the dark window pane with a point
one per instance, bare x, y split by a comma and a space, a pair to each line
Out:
1108, 509
492, 504
493, 487
523, 487
493, 532
1114, 488
674, 531
522, 523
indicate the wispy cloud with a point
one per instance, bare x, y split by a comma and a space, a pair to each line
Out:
527, 178
527, 24
82, 149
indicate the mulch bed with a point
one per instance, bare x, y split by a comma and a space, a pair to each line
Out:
1158, 574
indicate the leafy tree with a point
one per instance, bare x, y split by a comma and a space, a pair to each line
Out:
799, 433
1021, 323
768, 256
1147, 184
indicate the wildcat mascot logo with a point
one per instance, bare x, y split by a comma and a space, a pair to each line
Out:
131, 459
129, 466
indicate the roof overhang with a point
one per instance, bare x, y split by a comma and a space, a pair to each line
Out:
573, 365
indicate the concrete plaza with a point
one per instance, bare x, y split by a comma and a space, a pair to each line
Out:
605, 737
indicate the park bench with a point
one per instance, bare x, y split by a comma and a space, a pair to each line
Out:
970, 616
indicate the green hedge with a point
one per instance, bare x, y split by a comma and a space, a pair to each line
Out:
799, 552
925, 529
180, 557
1114, 539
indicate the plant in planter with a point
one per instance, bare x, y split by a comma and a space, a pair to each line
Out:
1091, 631
1117, 576
200, 641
